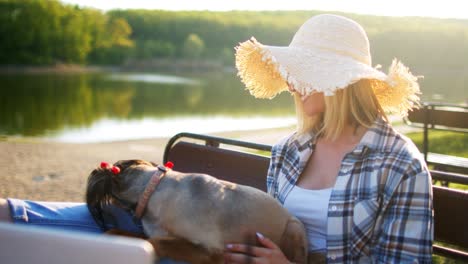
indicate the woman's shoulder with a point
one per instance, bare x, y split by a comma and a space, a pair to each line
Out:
296, 139
401, 147
399, 157
285, 141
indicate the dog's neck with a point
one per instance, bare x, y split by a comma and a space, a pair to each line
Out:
149, 189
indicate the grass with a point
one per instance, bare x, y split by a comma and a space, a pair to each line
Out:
441, 260
443, 142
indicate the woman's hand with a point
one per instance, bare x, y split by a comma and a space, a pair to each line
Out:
270, 253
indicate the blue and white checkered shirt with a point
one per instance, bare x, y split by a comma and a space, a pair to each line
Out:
380, 209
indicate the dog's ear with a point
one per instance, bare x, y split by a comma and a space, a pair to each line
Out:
102, 184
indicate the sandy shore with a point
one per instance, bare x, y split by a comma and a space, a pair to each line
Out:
52, 171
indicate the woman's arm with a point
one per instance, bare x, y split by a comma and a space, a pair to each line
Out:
407, 228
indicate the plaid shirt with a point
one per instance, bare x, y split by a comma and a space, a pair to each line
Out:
380, 209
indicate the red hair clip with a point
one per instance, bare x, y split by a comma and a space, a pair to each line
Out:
169, 165
115, 170
104, 165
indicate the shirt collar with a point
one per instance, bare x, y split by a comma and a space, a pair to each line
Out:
377, 138
304, 141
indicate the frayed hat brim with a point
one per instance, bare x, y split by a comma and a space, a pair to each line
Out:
267, 70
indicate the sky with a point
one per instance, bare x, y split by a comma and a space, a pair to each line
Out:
428, 8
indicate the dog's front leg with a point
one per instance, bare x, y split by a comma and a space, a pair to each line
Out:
181, 249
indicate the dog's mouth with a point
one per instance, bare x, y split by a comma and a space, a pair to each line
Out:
126, 205
107, 215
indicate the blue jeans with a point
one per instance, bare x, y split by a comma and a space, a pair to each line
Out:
68, 216
72, 217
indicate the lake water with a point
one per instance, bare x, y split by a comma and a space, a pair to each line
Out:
102, 107
120, 106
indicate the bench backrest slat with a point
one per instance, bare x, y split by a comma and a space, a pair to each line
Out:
451, 119
240, 167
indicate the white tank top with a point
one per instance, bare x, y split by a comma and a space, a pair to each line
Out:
311, 208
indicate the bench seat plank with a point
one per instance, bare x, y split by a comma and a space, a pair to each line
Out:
441, 160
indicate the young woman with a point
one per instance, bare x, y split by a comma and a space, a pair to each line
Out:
361, 189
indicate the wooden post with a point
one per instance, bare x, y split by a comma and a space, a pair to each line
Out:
425, 137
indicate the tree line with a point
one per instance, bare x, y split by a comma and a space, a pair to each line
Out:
45, 32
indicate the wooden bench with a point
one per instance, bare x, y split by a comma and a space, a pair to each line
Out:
226, 159
447, 117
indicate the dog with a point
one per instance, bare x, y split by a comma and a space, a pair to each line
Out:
191, 217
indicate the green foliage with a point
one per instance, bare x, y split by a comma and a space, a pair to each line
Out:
47, 31
442, 260
154, 48
111, 43
193, 46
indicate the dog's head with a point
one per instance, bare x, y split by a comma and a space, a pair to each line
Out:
122, 190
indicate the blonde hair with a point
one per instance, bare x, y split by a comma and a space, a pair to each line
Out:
354, 105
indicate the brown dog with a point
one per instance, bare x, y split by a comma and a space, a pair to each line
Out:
190, 217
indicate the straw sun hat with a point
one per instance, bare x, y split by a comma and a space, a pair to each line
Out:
327, 53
